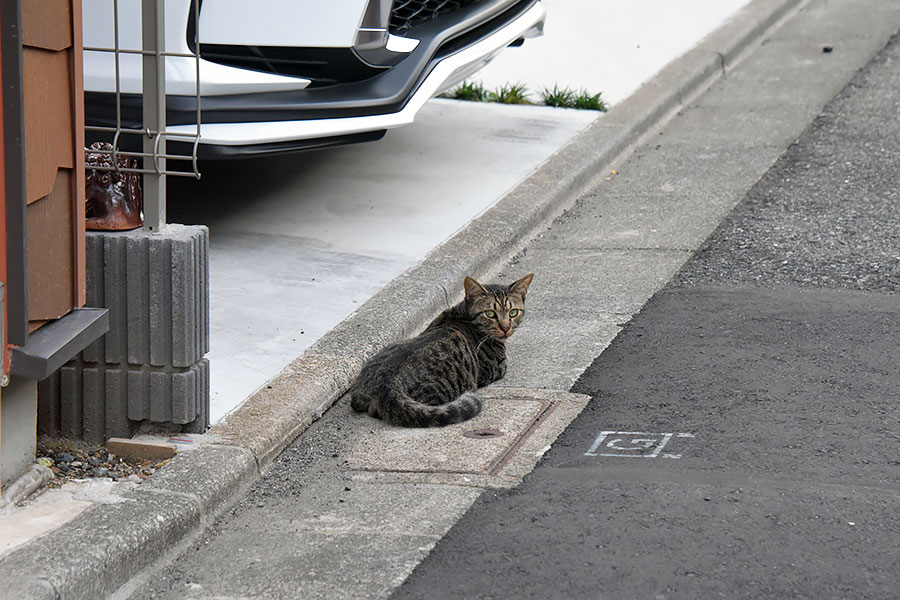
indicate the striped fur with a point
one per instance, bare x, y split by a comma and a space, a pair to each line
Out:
430, 380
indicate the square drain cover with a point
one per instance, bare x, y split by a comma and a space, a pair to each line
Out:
478, 446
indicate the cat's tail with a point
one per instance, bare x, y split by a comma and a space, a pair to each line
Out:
406, 412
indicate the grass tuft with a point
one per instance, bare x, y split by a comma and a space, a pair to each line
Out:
568, 98
586, 101
510, 93
563, 98
517, 93
472, 91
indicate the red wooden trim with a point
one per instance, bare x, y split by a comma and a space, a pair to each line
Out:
4, 359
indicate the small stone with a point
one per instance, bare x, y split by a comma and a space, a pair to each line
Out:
63, 467
64, 457
95, 462
100, 472
46, 461
77, 463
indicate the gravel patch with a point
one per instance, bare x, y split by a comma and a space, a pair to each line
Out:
70, 460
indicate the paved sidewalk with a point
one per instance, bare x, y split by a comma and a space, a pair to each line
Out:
642, 244
352, 505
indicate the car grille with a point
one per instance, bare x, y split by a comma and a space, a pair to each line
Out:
406, 14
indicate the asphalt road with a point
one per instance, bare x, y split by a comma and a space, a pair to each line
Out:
743, 437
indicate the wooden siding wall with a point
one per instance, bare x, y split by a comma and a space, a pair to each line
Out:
54, 157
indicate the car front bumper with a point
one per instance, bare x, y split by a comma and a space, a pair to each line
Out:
278, 122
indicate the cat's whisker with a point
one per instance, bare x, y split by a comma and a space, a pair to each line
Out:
481, 343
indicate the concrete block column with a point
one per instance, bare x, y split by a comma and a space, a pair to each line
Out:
150, 366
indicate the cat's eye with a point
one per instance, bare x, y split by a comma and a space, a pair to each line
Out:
514, 313
490, 314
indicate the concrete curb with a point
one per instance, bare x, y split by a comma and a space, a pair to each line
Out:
101, 549
33, 478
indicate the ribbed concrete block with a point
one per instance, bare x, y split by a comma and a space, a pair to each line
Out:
115, 296
49, 405
94, 402
84, 401
190, 301
95, 276
197, 387
156, 289
137, 285
177, 396
116, 394
71, 405
150, 366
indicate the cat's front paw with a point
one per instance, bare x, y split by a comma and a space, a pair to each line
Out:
501, 369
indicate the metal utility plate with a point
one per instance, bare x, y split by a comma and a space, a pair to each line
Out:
472, 447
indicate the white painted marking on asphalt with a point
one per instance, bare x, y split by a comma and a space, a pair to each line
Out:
633, 444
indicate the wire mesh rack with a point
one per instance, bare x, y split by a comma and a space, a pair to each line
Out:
153, 161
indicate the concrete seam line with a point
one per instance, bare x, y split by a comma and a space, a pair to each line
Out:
234, 472
733, 45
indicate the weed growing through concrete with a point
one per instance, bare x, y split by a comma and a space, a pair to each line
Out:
518, 94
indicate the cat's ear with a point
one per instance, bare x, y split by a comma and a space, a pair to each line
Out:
473, 289
521, 286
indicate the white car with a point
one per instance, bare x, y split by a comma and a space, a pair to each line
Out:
285, 75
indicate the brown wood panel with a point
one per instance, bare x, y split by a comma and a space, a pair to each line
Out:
54, 155
49, 122
47, 24
51, 252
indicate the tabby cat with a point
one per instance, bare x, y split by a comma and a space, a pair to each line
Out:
430, 380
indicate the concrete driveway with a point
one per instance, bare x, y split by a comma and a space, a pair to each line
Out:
298, 242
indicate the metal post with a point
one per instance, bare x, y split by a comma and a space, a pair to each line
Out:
12, 107
154, 88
